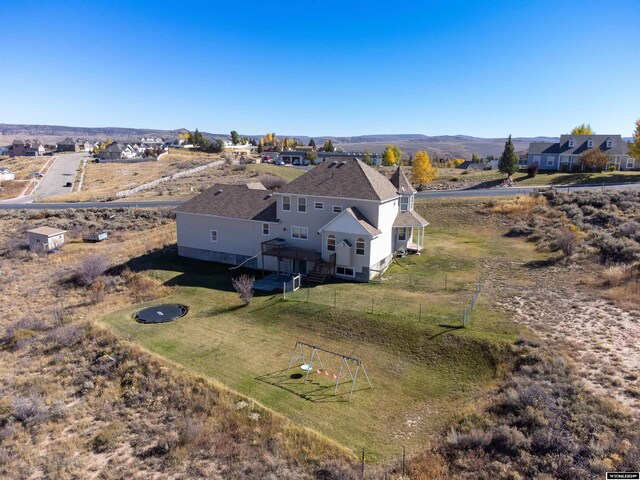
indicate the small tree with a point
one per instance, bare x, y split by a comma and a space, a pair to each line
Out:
311, 156
595, 159
391, 155
312, 143
328, 146
90, 268
366, 157
634, 145
235, 139
423, 171
475, 158
509, 159
243, 285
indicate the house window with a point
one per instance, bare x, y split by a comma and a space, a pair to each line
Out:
301, 233
302, 204
549, 161
402, 234
214, 235
404, 204
318, 206
590, 143
331, 243
265, 229
609, 143
572, 142
345, 271
286, 203
337, 209
629, 162
536, 159
360, 246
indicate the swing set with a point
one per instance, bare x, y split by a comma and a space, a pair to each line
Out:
310, 357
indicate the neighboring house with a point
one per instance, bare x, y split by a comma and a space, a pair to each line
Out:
26, 149
297, 157
470, 166
4, 150
341, 218
228, 146
45, 239
113, 151
493, 165
68, 145
565, 154
87, 146
154, 141
6, 174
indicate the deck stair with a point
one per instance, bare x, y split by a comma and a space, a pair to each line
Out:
319, 273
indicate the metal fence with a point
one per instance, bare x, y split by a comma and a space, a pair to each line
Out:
468, 311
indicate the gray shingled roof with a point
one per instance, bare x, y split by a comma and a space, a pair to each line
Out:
362, 220
618, 147
409, 219
233, 201
348, 178
400, 181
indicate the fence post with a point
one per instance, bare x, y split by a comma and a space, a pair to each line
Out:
404, 455
362, 467
445, 281
284, 290
335, 299
372, 300
307, 293
420, 314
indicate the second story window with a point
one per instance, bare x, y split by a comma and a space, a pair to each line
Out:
214, 235
337, 209
404, 204
301, 233
286, 203
572, 142
590, 143
265, 229
609, 143
302, 204
360, 246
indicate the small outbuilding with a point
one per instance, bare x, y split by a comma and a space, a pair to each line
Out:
6, 174
45, 239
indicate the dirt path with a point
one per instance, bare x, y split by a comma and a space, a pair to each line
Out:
601, 338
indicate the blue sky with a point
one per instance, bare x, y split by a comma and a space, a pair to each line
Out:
344, 68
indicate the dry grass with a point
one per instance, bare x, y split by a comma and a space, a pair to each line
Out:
25, 167
11, 188
521, 205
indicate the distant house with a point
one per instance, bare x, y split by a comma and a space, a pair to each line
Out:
470, 166
68, 145
565, 154
492, 164
45, 239
341, 218
4, 150
26, 148
87, 146
113, 151
297, 157
228, 146
6, 174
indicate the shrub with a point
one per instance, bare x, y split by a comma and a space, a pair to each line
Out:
90, 268
630, 229
617, 275
106, 439
612, 168
273, 182
575, 168
620, 250
564, 168
29, 409
244, 286
532, 170
566, 241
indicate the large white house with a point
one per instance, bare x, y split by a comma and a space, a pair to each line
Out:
341, 218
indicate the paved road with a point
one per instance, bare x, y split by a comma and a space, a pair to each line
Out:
62, 170
487, 192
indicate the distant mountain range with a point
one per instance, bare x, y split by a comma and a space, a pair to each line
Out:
442, 146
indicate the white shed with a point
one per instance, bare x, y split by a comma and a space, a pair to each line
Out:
6, 174
45, 239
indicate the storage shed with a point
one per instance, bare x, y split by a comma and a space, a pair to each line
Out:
45, 239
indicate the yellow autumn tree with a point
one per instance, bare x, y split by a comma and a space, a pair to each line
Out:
389, 157
423, 171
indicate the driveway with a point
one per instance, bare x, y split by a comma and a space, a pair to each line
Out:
62, 170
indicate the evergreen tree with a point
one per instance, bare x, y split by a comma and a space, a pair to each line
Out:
366, 158
312, 143
475, 158
397, 153
509, 159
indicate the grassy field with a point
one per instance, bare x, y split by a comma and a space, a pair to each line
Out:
25, 167
424, 369
559, 178
288, 173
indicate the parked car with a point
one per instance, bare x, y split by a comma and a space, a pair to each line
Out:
38, 175
279, 162
68, 184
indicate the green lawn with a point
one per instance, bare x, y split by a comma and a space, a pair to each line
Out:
288, 173
424, 369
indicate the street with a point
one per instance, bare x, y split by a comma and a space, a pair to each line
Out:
62, 170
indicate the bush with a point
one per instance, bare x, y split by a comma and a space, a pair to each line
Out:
244, 286
532, 170
273, 182
612, 168
566, 241
564, 168
619, 250
90, 268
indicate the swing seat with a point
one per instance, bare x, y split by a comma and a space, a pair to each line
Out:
306, 367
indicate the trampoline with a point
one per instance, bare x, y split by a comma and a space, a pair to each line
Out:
160, 313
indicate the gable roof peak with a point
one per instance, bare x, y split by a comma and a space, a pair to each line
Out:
401, 182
